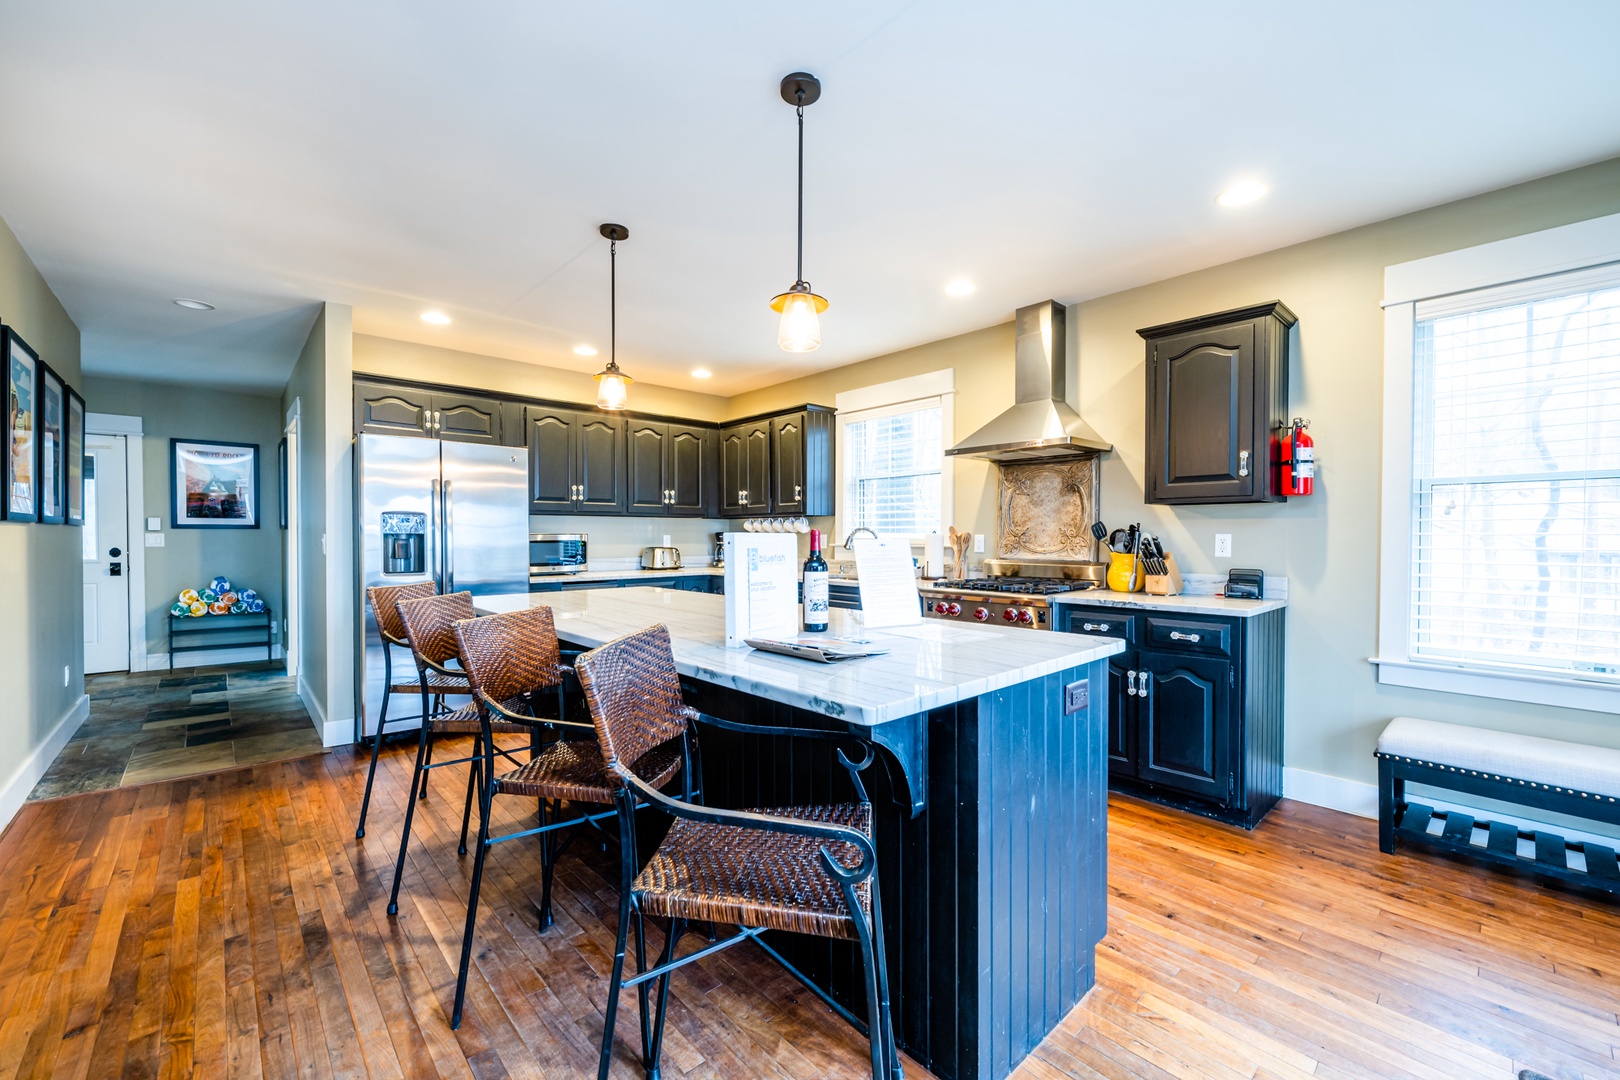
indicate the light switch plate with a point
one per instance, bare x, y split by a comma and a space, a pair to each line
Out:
154, 524
154, 539
1223, 545
978, 543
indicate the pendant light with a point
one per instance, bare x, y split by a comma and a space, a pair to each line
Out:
613, 385
800, 307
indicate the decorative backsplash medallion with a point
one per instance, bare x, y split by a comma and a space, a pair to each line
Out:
1046, 511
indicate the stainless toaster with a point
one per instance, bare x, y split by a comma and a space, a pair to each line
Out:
660, 558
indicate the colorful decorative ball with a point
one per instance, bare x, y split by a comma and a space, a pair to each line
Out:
219, 607
249, 595
255, 606
230, 597
219, 585
239, 608
177, 608
198, 609
189, 597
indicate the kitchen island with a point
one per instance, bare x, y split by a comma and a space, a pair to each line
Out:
989, 800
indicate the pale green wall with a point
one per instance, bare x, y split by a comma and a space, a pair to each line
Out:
320, 386
1326, 545
41, 572
190, 557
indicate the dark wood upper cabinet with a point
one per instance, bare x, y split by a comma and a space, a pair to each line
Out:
1217, 397
600, 464
649, 446
787, 464
391, 410
745, 469
551, 459
467, 419
691, 471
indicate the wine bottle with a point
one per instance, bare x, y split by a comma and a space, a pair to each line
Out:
815, 587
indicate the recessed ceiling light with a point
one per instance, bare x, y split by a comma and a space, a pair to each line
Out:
584, 350
701, 373
436, 317
960, 287
1242, 193
194, 305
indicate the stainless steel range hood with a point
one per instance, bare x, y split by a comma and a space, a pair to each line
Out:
1041, 425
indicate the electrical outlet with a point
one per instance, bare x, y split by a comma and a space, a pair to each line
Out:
978, 543
666, 540
1077, 697
1223, 545
154, 539
67, 674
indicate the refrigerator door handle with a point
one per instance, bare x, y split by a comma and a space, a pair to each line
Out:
449, 541
433, 536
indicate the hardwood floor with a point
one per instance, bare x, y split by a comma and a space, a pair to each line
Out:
232, 925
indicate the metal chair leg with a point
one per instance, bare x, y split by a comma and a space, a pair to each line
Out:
891, 1051
548, 866
472, 904
473, 781
410, 812
677, 927
615, 983
644, 990
376, 741
874, 1010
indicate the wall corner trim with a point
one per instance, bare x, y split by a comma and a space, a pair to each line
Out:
16, 790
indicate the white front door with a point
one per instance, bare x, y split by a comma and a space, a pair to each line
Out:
106, 555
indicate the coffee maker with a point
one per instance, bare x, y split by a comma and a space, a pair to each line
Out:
719, 556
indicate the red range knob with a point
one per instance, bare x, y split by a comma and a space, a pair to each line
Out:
956, 609
1026, 616
981, 614
941, 608
1011, 615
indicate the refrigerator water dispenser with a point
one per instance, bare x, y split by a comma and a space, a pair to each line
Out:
404, 543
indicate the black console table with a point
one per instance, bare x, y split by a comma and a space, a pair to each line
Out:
189, 628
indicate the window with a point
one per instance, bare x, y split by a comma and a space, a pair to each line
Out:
1500, 569
1516, 481
892, 482
893, 475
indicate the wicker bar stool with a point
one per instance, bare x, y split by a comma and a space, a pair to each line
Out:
428, 625
800, 869
511, 659
384, 601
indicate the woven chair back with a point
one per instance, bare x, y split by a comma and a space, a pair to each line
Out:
510, 654
384, 600
634, 694
430, 625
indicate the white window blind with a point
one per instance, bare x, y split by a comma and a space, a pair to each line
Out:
1516, 478
892, 467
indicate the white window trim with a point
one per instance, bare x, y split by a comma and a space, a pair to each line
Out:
1580, 246
938, 385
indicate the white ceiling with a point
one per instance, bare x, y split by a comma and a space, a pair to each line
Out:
405, 155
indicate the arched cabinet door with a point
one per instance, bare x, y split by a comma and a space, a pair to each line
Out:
551, 459
467, 419
1184, 710
601, 455
391, 410
649, 450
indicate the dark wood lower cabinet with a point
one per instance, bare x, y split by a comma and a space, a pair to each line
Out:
1195, 718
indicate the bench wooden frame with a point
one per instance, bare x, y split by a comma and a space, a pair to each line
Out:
1410, 821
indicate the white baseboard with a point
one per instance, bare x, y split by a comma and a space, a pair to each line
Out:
1333, 792
312, 704
16, 789
337, 733
228, 654
1361, 799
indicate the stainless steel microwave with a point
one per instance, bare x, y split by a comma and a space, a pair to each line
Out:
557, 553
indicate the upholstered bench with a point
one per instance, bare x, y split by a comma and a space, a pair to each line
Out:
1542, 774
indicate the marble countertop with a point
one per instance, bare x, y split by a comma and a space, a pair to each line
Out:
933, 664
1179, 605
629, 574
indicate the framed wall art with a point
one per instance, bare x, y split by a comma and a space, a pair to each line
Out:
281, 473
74, 470
52, 442
21, 501
215, 484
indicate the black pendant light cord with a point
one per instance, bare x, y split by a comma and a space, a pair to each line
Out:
800, 270
613, 304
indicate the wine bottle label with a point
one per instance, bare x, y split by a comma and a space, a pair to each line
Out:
815, 598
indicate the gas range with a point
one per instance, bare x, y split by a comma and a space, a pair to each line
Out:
1006, 601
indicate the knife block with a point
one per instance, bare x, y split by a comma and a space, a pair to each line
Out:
1164, 584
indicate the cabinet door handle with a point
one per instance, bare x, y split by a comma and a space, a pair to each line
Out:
1130, 679
742, 496
1101, 627
1142, 686
798, 492
1178, 636
1243, 463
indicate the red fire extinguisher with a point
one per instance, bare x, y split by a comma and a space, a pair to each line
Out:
1298, 460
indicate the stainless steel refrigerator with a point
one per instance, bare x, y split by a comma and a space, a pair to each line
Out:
453, 513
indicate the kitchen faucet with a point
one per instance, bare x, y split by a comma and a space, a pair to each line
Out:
856, 531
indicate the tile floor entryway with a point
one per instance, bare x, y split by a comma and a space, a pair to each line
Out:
162, 725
